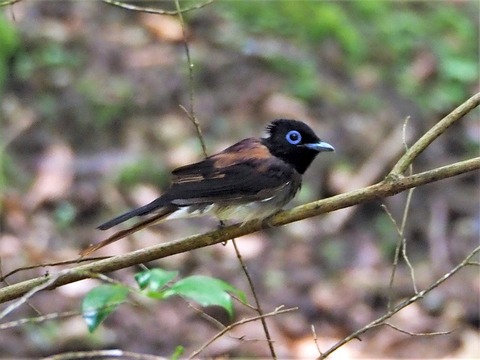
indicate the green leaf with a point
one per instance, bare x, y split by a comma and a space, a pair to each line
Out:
206, 291
100, 302
9, 38
152, 281
10, 41
177, 353
460, 69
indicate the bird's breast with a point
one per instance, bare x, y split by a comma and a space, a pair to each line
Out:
258, 209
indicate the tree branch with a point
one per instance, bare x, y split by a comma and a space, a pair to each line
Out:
389, 187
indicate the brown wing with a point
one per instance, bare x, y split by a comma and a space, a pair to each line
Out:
242, 173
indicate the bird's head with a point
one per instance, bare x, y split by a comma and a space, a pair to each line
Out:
294, 142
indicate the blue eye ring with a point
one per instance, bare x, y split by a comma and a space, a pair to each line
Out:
293, 137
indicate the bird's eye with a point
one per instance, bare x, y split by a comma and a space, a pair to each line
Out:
293, 137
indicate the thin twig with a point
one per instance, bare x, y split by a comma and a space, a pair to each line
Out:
57, 263
401, 248
409, 264
198, 129
381, 320
238, 323
206, 316
396, 256
410, 172
406, 212
103, 354
153, 10
246, 304
214, 321
433, 333
315, 340
255, 297
402, 241
191, 112
50, 280
179, 12
38, 319
27, 295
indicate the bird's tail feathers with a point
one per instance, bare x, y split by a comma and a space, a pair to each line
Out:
163, 213
143, 210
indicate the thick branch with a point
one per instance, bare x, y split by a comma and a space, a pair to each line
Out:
385, 188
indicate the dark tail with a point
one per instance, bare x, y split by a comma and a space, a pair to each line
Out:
143, 210
162, 213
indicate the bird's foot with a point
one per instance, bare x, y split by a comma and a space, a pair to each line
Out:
220, 226
267, 222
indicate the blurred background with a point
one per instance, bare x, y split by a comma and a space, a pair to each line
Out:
91, 126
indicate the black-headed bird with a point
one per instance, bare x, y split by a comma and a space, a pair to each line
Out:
252, 179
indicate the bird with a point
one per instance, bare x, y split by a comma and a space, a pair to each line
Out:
252, 179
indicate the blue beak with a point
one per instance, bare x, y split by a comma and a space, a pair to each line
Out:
320, 146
